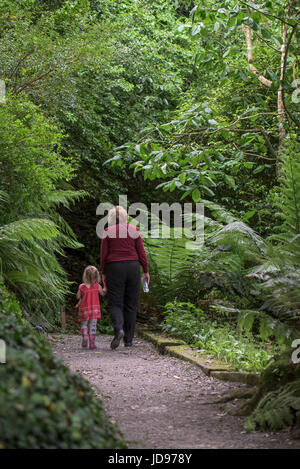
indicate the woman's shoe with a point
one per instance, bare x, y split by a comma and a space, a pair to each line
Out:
92, 342
128, 344
116, 340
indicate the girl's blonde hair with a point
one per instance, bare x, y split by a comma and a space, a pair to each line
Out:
116, 215
91, 275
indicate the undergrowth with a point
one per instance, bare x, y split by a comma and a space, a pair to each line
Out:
242, 350
43, 405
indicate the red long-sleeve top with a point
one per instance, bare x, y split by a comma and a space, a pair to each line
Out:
122, 242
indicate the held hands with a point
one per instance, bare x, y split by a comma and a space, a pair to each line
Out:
104, 289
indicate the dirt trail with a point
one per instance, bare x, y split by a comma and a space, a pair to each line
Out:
160, 402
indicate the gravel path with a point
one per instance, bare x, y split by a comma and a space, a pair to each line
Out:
160, 402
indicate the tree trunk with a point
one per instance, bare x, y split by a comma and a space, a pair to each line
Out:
280, 103
252, 67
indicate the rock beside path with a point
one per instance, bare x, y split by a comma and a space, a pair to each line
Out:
161, 402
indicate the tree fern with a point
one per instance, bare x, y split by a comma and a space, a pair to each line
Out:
288, 198
220, 213
28, 229
62, 198
282, 287
168, 257
236, 258
29, 265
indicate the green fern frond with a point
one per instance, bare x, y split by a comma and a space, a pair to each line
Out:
220, 213
277, 409
29, 265
3, 196
65, 197
31, 228
238, 232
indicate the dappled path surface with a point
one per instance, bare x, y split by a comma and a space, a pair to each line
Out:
160, 401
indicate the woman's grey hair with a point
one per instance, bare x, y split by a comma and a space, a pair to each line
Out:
116, 215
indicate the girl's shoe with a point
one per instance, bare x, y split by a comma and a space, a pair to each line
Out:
85, 338
92, 342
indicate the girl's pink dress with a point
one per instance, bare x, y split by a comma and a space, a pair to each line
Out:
89, 307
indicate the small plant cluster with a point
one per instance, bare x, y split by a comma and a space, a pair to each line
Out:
242, 350
42, 403
276, 402
277, 410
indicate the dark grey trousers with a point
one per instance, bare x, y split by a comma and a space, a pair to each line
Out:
123, 284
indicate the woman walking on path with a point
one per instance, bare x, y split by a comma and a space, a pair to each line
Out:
122, 252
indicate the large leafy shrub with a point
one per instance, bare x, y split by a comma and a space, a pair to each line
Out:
31, 167
42, 403
35, 182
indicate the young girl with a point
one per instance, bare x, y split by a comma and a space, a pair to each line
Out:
89, 305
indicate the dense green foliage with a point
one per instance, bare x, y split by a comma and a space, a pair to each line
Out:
275, 404
217, 337
222, 148
163, 101
224, 135
34, 182
277, 409
241, 266
42, 403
